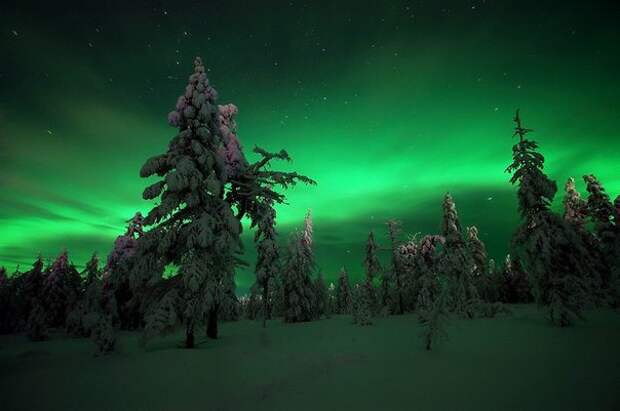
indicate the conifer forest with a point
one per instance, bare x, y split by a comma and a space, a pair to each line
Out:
400, 205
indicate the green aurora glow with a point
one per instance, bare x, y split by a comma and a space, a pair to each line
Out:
387, 108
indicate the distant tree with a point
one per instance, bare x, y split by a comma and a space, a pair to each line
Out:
268, 256
254, 303
29, 288
298, 288
575, 208
550, 250
89, 296
480, 272
321, 295
456, 263
576, 214
397, 272
428, 284
373, 269
60, 290
343, 293
362, 309
409, 279
121, 263
434, 320
331, 299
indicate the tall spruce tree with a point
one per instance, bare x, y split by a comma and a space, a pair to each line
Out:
549, 249
204, 180
343, 293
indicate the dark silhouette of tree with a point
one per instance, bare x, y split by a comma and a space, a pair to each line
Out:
372, 267
343, 293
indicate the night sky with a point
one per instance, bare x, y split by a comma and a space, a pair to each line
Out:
386, 106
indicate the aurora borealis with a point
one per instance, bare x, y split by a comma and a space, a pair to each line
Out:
387, 107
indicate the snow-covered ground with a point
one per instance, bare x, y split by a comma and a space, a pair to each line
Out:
508, 363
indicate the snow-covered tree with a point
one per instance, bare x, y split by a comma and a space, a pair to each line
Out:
575, 208
600, 211
456, 263
60, 290
344, 299
427, 281
77, 319
373, 269
549, 248
204, 179
321, 297
267, 259
298, 287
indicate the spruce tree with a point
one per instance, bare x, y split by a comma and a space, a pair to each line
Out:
426, 267
299, 292
343, 293
30, 288
601, 212
204, 180
576, 214
478, 253
76, 323
550, 250
456, 262
267, 256
575, 208
321, 297
373, 269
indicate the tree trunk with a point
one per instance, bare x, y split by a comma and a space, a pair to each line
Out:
189, 335
212, 322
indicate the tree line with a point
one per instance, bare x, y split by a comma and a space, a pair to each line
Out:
204, 187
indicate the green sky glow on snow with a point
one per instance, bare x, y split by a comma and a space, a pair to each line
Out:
386, 107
